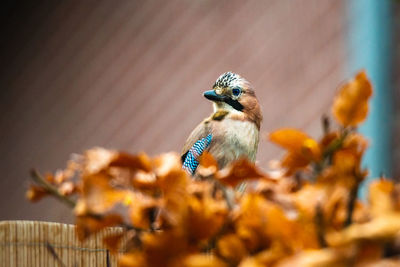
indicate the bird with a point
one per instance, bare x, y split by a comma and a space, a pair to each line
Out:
231, 132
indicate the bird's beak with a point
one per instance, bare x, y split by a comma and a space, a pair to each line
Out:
211, 95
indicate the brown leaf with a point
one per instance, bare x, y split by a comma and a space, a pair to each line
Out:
98, 196
142, 210
205, 217
90, 224
133, 162
240, 171
113, 242
267, 257
173, 182
381, 197
208, 165
288, 138
96, 159
324, 257
203, 260
132, 259
36, 193
164, 248
145, 180
350, 107
301, 148
383, 228
231, 248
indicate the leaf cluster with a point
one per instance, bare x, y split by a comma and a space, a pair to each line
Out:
303, 212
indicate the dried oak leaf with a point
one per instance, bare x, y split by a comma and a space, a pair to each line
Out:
142, 210
232, 248
329, 257
261, 222
301, 148
132, 259
252, 222
173, 183
90, 224
205, 218
134, 162
350, 106
98, 196
203, 260
36, 193
165, 248
267, 257
113, 241
208, 165
381, 197
240, 171
97, 159
382, 228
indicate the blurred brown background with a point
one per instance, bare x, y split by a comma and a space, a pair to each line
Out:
130, 75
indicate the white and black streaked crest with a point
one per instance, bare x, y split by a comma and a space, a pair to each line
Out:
229, 79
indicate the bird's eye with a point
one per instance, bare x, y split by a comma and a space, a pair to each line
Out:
236, 91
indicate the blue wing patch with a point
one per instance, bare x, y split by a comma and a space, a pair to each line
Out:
190, 164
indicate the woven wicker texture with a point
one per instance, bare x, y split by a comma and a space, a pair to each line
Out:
30, 243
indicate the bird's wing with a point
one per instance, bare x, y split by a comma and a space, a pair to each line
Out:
197, 142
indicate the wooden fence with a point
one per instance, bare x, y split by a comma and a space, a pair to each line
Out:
41, 244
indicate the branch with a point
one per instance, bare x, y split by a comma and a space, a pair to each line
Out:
351, 203
51, 189
319, 224
335, 145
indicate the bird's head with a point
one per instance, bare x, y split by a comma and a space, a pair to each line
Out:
235, 94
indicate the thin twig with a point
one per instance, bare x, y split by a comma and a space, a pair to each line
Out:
351, 203
325, 124
319, 224
335, 145
37, 178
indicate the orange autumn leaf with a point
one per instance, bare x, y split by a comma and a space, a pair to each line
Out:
203, 260
173, 183
240, 171
203, 212
142, 210
113, 241
208, 165
36, 193
132, 259
302, 149
288, 138
133, 162
350, 106
164, 248
88, 224
96, 159
324, 257
232, 248
381, 197
267, 257
144, 180
380, 229
98, 195
293, 161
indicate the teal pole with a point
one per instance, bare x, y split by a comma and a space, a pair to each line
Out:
369, 48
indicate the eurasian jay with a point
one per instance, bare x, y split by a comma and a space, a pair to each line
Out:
232, 131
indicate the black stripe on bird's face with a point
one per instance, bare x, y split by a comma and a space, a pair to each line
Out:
211, 95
